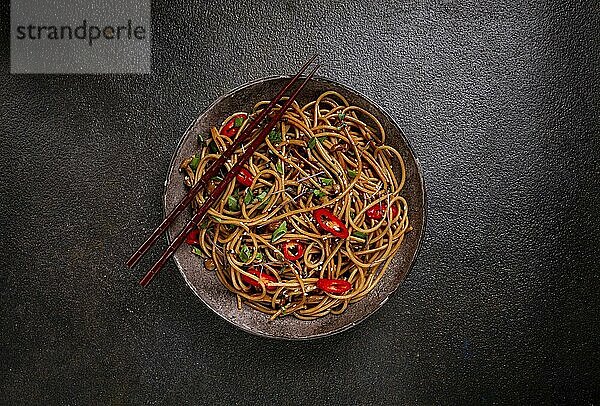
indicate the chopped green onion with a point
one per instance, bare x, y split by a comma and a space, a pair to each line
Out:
215, 218
261, 196
238, 122
279, 167
341, 116
259, 256
279, 232
245, 253
360, 235
352, 173
313, 141
197, 251
318, 193
249, 196
233, 203
326, 181
275, 136
195, 162
212, 146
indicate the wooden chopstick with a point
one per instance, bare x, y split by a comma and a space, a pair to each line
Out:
214, 168
220, 188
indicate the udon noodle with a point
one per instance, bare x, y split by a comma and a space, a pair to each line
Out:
313, 223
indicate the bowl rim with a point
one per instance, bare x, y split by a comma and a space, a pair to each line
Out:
419, 243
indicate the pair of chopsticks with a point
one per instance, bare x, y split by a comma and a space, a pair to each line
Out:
214, 168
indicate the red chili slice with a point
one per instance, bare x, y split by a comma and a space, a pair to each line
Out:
335, 286
331, 223
245, 177
379, 210
229, 129
292, 250
265, 277
192, 237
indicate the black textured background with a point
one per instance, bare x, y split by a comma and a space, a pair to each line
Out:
501, 103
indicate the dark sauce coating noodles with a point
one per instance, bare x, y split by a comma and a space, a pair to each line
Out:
325, 154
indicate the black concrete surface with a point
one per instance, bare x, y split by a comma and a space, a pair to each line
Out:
501, 103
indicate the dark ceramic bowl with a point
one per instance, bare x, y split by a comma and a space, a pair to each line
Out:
205, 284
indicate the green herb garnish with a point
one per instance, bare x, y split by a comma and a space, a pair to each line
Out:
318, 193
341, 116
197, 251
313, 141
279, 231
249, 196
279, 167
233, 203
194, 162
212, 147
259, 256
245, 254
275, 136
238, 122
360, 235
351, 173
326, 181
261, 198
